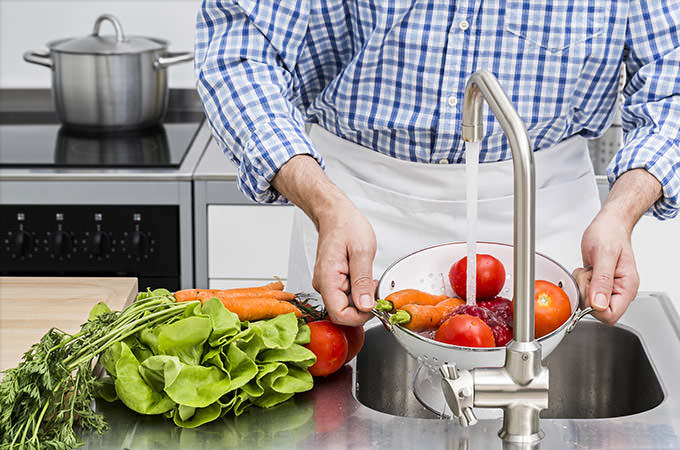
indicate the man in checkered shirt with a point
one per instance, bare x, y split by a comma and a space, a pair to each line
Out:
389, 75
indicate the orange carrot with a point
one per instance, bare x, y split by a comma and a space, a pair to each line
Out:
278, 295
187, 295
418, 317
258, 308
273, 286
447, 306
425, 317
248, 305
412, 297
274, 289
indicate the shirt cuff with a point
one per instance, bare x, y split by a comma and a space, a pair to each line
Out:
658, 156
270, 147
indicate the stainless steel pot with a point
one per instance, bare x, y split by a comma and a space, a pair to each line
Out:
111, 82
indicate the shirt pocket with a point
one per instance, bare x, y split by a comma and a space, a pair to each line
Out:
554, 25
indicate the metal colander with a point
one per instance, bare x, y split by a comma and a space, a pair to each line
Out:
427, 270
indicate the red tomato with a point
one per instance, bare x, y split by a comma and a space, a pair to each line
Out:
355, 340
329, 344
551, 307
465, 330
490, 277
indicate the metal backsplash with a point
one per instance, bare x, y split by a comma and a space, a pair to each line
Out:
603, 149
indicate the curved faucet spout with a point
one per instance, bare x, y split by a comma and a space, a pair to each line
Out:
520, 387
481, 86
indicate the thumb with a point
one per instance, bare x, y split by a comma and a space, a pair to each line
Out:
361, 280
602, 282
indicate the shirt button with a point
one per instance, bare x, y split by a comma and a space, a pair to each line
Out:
463, 25
443, 161
452, 100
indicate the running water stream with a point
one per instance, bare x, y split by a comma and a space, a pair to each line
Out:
471, 190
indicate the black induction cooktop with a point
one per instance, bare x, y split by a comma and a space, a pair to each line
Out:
35, 140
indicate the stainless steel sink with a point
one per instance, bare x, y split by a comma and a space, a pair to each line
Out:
615, 376
596, 372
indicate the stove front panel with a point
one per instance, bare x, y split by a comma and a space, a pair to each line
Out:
89, 240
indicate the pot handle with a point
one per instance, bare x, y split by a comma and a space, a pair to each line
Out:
120, 36
170, 59
39, 57
580, 314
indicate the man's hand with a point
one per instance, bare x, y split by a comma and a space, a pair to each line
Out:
344, 263
346, 246
609, 280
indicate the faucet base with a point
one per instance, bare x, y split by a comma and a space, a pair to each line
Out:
520, 423
521, 438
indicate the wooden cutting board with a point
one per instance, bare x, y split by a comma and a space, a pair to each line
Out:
30, 306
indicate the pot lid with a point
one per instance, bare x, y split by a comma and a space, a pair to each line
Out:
108, 45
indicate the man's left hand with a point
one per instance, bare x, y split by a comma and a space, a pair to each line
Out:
609, 280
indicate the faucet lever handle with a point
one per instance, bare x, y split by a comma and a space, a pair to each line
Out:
469, 416
458, 387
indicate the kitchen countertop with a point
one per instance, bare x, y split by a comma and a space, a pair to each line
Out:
215, 165
30, 306
330, 416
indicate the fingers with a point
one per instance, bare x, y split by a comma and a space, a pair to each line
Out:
344, 265
602, 281
347, 315
330, 280
626, 284
361, 278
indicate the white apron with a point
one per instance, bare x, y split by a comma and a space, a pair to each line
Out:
414, 205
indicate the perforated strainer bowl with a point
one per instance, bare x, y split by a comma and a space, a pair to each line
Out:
428, 269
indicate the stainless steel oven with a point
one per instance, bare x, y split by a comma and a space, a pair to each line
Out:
78, 203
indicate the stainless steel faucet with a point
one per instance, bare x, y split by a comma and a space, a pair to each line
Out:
520, 387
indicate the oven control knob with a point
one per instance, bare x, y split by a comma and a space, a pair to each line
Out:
23, 243
62, 243
100, 244
139, 243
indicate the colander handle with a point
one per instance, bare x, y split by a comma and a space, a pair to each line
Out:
580, 314
384, 318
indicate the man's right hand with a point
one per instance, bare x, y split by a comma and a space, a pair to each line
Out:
346, 247
343, 272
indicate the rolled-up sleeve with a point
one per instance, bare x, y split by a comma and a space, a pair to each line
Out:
246, 53
651, 110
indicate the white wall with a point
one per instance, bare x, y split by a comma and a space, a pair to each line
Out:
29, 24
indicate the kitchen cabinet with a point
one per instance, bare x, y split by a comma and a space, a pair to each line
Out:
237, 243
247, 242
654, 243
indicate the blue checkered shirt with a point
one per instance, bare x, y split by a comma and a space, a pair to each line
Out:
390, 75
